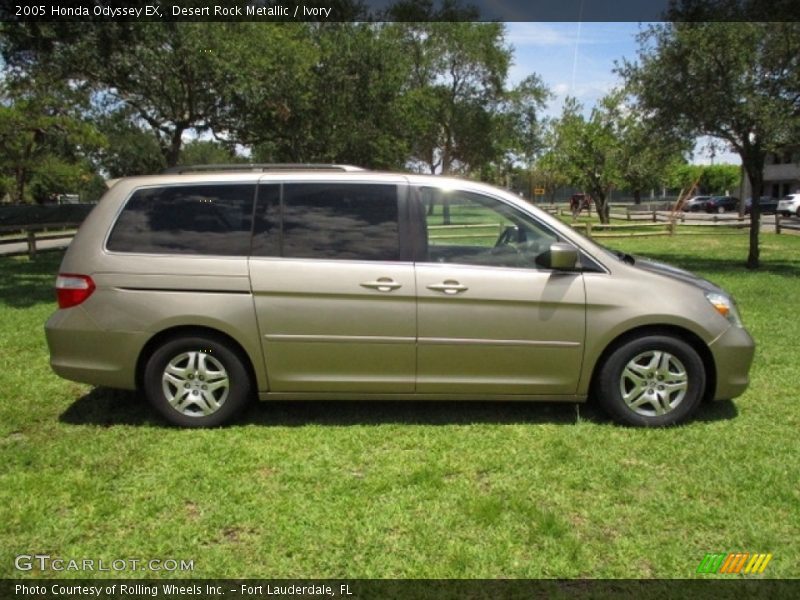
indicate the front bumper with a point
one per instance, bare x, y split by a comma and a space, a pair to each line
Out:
733, 355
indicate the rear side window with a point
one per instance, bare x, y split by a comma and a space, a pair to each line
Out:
347, 221
191, 219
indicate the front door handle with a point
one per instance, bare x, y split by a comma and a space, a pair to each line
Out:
449, 287
382, 284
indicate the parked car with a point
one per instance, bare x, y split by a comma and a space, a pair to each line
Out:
768, 206
696, 204
790, 205
722, 204
203, 289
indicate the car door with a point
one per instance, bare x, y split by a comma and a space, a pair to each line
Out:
334, 290
490, 320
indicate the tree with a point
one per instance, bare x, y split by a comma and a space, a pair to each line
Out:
456, 94
735, 81
718, 179
350, 109
645, 154
547, 170
589, 151
44, 139
519, 131
174, 78
208, 152
131, 149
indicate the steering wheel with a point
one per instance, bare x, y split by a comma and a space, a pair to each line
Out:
508, 236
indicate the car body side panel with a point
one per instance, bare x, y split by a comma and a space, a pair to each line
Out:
620, 303
138, 296
323, 329
512, 331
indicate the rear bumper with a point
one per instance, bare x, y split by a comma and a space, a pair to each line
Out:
81, 351
733, 354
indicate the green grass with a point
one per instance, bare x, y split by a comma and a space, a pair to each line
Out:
407, 489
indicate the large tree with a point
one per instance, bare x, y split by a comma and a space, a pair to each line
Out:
348, 106
735, 81
645, 154
174, 79
45, 141
590, 150
460, 114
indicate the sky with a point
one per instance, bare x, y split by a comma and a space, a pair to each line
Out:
577, 59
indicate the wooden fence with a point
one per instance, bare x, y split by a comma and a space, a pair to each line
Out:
31, 234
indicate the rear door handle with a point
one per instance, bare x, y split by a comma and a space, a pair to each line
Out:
382, 284
449, 287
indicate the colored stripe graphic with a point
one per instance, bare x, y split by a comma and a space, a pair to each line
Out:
710, 563
734, 563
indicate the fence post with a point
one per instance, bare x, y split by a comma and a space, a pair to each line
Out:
654, 217
671, 227
31, 243
588, 230
628, 212
777, 222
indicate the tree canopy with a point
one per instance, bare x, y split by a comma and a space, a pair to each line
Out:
379, 95
736, 81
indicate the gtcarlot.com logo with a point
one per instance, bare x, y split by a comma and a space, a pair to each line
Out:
734, 563
45, 562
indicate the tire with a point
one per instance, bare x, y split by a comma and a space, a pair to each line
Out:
797, 214
634, 383
720, 209
197, 381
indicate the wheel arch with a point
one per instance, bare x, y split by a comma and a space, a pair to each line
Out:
189, 330
675, 331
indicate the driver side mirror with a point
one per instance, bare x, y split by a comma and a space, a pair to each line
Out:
560, 256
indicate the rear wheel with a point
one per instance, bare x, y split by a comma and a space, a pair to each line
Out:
652, 381
196, 381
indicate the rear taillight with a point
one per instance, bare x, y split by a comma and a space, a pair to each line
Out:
73, 289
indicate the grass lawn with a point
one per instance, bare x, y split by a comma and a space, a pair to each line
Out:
407, 489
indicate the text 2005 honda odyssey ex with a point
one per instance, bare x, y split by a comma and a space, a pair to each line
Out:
205, 288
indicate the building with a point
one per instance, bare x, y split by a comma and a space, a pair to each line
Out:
781, 174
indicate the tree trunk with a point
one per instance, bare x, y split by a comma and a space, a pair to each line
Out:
637, 196
602, 208
173, 153
19, 188
755, 171
601, 205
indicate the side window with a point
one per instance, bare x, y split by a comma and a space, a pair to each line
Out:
267, 225
473, 229
346, 221
186, 219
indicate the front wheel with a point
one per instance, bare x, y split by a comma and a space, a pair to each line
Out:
652, 381
196, 381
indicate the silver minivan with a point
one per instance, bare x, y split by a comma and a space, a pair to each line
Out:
206, 287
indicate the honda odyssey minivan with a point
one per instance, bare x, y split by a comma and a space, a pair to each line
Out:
206, 287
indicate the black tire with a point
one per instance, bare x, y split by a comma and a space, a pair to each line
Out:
214, 383
635, 358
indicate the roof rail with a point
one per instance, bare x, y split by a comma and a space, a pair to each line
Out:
260, 167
